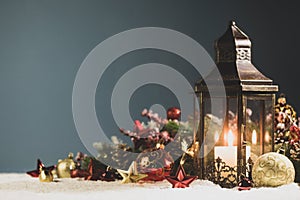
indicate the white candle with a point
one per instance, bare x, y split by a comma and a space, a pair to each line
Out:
228, 154
254, 137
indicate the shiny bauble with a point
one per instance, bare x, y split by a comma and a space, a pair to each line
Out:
272, 170
45, 175
173, 113
65, 166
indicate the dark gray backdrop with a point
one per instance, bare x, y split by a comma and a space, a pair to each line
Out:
43, 43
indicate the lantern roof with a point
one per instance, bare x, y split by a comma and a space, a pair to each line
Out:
233, 60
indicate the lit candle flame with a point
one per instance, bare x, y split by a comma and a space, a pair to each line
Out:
267, 136
230, 138
254, 137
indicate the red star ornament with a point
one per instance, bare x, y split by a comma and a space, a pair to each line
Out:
35, 173
98, 171
181, 180
94, 171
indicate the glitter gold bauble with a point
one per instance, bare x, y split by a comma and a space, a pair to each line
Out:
65, 166
272, 170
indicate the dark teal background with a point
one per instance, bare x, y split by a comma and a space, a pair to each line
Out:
43, 43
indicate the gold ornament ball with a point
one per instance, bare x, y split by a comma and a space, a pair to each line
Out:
272, 170
65, 166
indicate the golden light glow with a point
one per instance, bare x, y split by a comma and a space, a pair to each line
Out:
254, 137
267, 136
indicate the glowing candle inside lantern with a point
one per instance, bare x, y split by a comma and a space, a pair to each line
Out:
267, 137
228, 154
254, 137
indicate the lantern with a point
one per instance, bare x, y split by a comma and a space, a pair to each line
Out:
243, 129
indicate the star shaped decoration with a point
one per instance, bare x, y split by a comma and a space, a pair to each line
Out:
131, 175
98, 171
181, 180
95, 170
35, 173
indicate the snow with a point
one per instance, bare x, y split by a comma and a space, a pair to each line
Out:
15, 186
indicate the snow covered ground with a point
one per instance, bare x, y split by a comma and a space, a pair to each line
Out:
22, 186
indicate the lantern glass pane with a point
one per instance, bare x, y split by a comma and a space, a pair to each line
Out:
213, 125
269, 121
258, 126
220, 135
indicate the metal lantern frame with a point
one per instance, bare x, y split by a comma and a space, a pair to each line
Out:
245, 86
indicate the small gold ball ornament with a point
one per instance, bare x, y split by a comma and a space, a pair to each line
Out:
65, 166
272, 170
